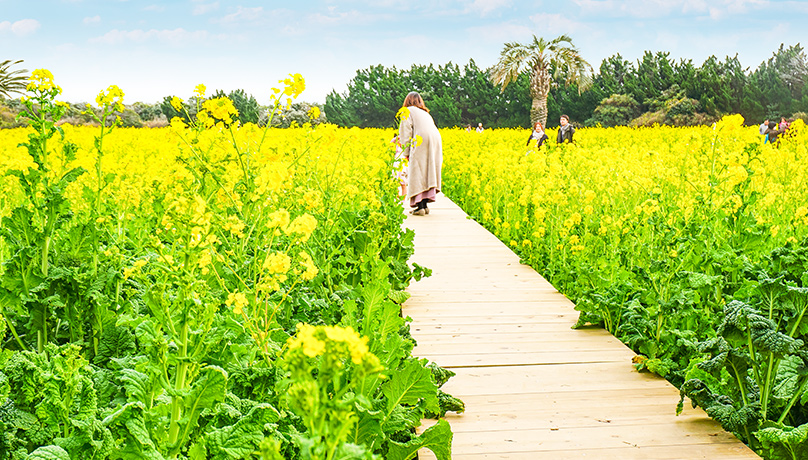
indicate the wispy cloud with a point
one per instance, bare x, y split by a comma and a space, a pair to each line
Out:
174, 37
555, 24
21, 28
204, 8
244, 15
501, 32
486, 7
92, 19
714, 9
334, 17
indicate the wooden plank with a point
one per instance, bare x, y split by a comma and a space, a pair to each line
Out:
585, 343
599, 335
471, 328
454, 361
528, 380
713, 451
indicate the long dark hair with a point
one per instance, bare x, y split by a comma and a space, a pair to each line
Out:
413, 99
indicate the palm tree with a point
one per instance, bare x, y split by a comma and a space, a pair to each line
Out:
12, 81
539, 57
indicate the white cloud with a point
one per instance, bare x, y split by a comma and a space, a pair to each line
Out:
501, 32
20, 28
205, 8
715, 9
92, 19
484, 7
554, 24
173, 37
243, 15
333, 17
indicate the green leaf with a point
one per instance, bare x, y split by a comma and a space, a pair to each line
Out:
206, 391
437, 438
244, 437
136, 384
368, 428
398, 297
402, 418
409, 385
784, 442
49, 453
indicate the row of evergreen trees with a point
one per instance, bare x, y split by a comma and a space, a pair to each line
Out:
655, 89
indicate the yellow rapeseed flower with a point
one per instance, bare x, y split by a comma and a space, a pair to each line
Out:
199, 90
277, 263
42, 80
177, 104
309, 269
222, 109
238, 301
112, 97
302, 225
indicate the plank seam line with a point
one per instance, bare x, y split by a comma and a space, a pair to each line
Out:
483, 366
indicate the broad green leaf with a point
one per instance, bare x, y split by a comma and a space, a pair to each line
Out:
204, 394
49, 453
243, 438
368, 428
409, 385
784, 442
135, 383
437, 438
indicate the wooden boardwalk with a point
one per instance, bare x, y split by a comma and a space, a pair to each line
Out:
534, 388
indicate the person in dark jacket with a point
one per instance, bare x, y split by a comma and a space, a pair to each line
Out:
772, 133
538, 135
566, 130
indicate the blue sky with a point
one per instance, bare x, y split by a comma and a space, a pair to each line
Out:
156, 48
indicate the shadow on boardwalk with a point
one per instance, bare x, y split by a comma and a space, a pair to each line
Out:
534, 388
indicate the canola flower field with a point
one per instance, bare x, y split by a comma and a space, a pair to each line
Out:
211, 290
688, 244
206, 291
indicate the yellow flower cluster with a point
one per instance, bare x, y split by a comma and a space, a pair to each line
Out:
238, 301
309, 269
112, 97
177, 104
277, 263
295, 85
314, 341
221, 109
42, 80
303, 226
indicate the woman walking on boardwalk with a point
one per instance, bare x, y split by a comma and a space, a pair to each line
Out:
423, 146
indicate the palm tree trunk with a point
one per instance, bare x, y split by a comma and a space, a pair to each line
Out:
539, 89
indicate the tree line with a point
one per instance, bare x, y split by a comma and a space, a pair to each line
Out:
654, 89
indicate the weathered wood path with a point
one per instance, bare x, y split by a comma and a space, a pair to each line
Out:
534, 388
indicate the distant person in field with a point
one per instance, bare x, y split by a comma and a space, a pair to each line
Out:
480, 127
772, 133
783, 124
763, 127
423, 147
537, 135
566, 130
468, 128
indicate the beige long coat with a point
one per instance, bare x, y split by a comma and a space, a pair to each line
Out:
426, 159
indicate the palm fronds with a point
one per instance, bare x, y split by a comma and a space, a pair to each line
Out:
12, 81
